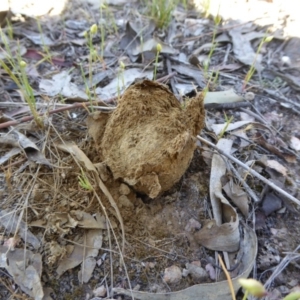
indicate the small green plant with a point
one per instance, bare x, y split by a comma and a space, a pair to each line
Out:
217, 21
92, 51
256, 289
16, 69
45, 47
206, 7
292, 296
252, 68
161, 11
228, 121
158, 50
253, 287
102, 29
84, 181
87, 88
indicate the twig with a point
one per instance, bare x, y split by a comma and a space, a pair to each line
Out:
226, 54
252, 172
228, 278
283, 264
172, 83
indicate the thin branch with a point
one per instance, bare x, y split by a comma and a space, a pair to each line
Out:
252, 172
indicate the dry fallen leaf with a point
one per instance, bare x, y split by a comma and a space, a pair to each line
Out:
243, 50
237, 196
274, 164
19, 140
26, 268
222, 233
61, 84
12, 223
90, 248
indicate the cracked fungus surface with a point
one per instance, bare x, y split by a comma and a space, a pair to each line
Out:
149, 140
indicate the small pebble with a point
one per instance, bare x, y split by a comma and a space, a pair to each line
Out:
100, 291
192, 225
172, 275
286, 61
249, 96
124, 189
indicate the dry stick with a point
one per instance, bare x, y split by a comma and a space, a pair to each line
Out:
228, 278
283, 264
252, 172
73, 106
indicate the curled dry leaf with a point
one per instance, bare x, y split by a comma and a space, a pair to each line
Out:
19, 140
149, 140
238, 196
215, 234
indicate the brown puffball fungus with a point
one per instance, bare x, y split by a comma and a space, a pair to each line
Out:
149, 140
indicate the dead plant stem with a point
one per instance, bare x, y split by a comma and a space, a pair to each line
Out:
228, 278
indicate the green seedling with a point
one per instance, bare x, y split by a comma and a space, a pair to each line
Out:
28, 94
228, 121
45, 47
10, 30
84, 181
16, 69
93, 56
217, 21
251, 71
252, 287
206, 7
292, 296
87, 89
158, 50
256, 289
161, 11
102, 30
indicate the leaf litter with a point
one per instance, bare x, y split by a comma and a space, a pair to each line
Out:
109, 215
